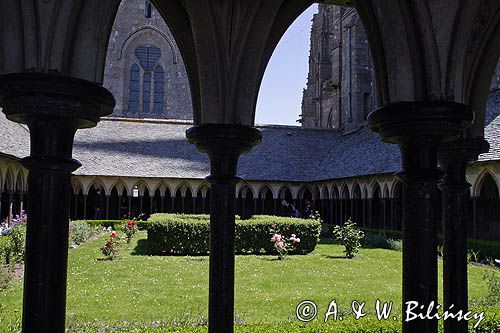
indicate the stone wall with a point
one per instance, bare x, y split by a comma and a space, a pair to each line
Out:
136, 25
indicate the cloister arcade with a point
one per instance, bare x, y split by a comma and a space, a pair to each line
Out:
360, 199
432, 83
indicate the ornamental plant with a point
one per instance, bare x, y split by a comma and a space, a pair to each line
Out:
130, 229
110, 249
283, 244
350, 236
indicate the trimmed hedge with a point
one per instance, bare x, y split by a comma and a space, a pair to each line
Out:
189, 234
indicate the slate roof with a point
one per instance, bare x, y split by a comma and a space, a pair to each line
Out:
158, 149
492, 128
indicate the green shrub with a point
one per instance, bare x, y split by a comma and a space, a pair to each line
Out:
376, 240
486, 248
394, 234
189, 234
395, 244
12, 246
492, 279
350, 236
81, 231
115, 224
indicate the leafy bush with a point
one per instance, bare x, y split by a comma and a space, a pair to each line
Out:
376, 240
12, 250
189, 234
350, 236
115, 224
395, 244
6, 273
81, 231
492, 279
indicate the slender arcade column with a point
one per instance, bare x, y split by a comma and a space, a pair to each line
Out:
224, 144
454, 158
419, 128
53, 107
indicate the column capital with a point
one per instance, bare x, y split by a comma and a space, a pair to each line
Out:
53, 107
223, 143
420, 121
462, 150
28, 97
454, 157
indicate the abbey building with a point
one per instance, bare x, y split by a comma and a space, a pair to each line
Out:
138, 161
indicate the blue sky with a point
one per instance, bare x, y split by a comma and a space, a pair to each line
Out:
280, 94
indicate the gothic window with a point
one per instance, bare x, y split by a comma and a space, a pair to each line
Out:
148, 10
134, 88
146, 92
159, 89
147, 81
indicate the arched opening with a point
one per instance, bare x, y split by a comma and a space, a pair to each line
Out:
188, 202
246, 205
167, 202
306, 202
345, 205
325, 206
178, 202
336, 206
376, 208
488, 210
157, 201
96, 203
266, 202
357, 205
200, 201
286, 203
397, 207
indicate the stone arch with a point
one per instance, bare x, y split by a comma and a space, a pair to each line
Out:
136, 35
76, 185
376, 211
487, 220
266, 204
97, 182
202, 202
246, 202
481, 178
183, 187
335, 192
9, 181
265, 187
386, 192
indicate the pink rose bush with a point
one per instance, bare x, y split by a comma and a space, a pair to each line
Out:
283, 244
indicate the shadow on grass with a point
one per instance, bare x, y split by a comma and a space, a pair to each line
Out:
325, 240
141, 249
335, 257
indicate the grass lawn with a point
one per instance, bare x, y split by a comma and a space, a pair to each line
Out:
143, 289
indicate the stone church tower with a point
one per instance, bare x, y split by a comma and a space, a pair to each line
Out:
340, 89
144, 69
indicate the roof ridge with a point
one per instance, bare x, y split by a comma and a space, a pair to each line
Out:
149, 120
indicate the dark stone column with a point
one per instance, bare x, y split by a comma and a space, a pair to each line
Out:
107, 207
84, 206
453, 159
9, 207
53, 107
224, 144
130, 206
419, 128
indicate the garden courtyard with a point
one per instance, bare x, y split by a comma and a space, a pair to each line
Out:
137, 292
